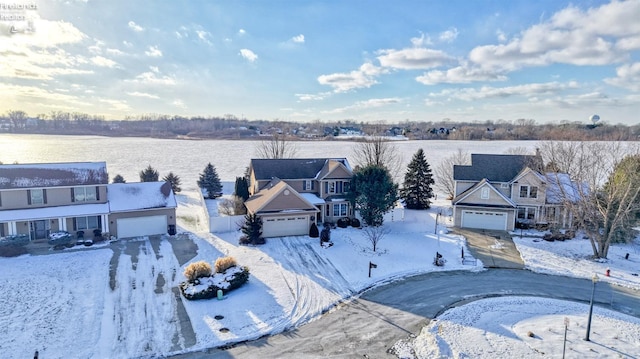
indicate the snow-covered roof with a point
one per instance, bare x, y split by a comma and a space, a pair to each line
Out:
312, 198
53, 174
137, 196
562, 188
33, 214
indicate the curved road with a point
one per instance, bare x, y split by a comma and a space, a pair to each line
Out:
368, 326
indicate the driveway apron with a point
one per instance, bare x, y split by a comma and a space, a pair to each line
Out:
494, 248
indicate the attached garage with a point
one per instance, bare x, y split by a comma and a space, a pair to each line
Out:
141, 226
283, 226
484, 220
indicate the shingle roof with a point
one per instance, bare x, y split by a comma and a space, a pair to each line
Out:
495, 168
53, 174
141, 195
290, 168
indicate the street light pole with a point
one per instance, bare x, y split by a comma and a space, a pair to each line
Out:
594, 279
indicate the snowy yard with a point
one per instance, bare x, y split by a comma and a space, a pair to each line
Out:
67, 302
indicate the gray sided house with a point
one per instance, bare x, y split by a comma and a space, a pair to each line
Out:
37, 199
502, 192
291, 194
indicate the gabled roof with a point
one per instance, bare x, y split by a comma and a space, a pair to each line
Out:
527, 170
291, 168
139, 196
259, 201
495, 168
34, 175
483, 182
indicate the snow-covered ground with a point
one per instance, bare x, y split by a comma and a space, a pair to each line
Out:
64, 302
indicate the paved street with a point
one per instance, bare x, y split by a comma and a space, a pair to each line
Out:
368, 326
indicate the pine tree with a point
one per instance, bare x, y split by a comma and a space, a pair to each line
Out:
118, 179
149, 174
174, 180
242, 188
210, 182
252, 229
416, 191
373, 193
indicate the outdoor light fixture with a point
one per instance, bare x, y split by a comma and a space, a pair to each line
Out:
594, 279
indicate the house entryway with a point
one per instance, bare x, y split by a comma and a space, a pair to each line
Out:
494, 248
39, 229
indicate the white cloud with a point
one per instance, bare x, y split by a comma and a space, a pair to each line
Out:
103, 61
459, 75
142, 94
311, 97
413, 58
153, 51
117, 105
501, 36
204, 36
152, 78
421, 41
449, 35
241, 32
362, 78
179, 103
127, 43
114, 52
366, 104
570, 36
298, 39
249, 55
135, 27
487, 92
628, 76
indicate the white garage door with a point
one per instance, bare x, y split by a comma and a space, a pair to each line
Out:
484, 220
285, 226
141, 226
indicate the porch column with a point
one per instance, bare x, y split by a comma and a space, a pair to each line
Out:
105, 223
13, 228
62, 224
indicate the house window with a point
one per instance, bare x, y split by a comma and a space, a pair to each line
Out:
84, 194
332, 187
528, 192
37, 196
2, 230
340, 209
89, 222
485, 193
526, 213
345, 186
504, 185
308, 185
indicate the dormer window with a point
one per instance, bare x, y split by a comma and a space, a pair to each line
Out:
528, 192
308, 185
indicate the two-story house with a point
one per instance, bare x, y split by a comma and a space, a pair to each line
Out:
500, 192
37, 199
290, 194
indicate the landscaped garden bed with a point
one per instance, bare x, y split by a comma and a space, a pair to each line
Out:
202, 284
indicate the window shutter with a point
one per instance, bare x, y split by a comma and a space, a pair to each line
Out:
73, 195
97, 193
75, 225
312, 182
44, 196
326, 187
29, 196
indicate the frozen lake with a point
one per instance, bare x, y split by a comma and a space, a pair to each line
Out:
127, 156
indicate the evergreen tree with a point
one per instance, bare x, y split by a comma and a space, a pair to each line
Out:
252, 229
118, 179
210, 182
242, 188
373, 193
174, 180
149, 174
416, 191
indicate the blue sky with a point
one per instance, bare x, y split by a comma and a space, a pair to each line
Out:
371, 61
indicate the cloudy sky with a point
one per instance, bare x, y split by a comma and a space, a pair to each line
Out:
366, 60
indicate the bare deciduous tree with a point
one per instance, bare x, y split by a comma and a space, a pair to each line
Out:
377, 151
375, 235
605, 191
277, 147
444, 172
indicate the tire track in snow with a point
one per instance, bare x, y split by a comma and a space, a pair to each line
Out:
314, 282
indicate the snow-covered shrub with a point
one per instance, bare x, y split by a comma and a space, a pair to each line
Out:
224, 263
207, 287
344, 222
355, 222
197, 270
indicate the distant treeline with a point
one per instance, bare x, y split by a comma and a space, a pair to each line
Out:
231, 127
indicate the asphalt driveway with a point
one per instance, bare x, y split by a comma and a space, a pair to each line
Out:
494, 248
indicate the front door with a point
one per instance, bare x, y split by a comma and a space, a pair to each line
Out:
39, 229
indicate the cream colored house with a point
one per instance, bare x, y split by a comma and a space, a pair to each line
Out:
291, 194
37, 199
502, 192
